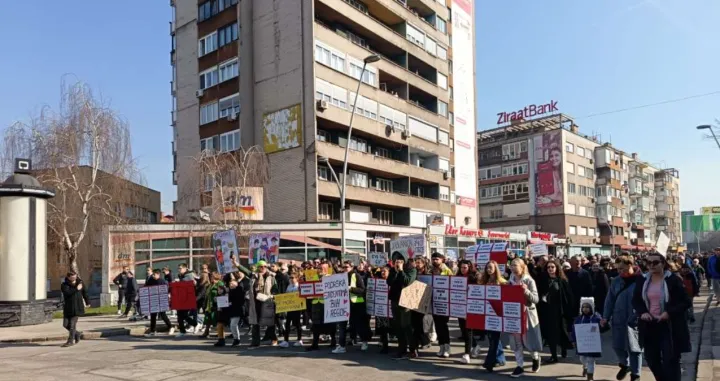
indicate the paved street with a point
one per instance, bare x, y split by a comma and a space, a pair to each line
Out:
166, 358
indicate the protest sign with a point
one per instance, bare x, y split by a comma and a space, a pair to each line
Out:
311, 275
538, 249
451, 255
290, 301
487, 252
264, 247
336, 293
224, 247
311, 289
496, 308
377, 301
417, 297
182, 296
441, 295
587, 337
377, 259
458, 296
222, 301
154, 299
662, 243
409, 246
470, 253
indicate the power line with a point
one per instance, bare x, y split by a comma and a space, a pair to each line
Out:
650, 105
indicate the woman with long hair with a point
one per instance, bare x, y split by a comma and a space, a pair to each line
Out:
555, 309
531, 339
466, 269
492, 275
661, 301
201, 287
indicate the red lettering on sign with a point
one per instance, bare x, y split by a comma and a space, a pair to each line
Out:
526, 112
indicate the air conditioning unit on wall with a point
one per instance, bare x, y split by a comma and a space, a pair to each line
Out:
321, 105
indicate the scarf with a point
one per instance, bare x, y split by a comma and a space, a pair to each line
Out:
665, 296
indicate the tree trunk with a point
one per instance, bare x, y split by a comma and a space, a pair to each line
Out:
72, 260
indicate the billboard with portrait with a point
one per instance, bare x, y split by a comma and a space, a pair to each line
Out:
548, 170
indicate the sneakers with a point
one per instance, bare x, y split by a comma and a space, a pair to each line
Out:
123, 316
119, 313
465, 359
364, 346
623, 372
68, 344
284, 344
550, 361
338, 350
171, 331
150, 334
298, 344
235, 342
536, 365
475, 352
444, 351
274, 343
518, 372
634, 377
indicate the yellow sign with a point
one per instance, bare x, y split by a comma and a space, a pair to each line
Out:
711, 210
311, 275
290, 301
282, 129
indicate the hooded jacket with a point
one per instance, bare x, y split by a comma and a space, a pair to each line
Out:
592, 318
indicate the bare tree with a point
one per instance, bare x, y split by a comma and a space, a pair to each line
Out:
229, 186
83, 152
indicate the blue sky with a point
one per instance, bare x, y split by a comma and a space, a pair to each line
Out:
592, 57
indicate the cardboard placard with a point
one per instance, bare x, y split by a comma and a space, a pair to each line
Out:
290, 301
182, 296
409, 246
538, 249
496, 308
417, 297
336, 293
377, 259
587, 338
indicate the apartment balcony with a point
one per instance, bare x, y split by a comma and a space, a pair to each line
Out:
174, 178
487, 220
613, 240
389, 10
504, 179
375, 163
328, 36
384, 97
374, 196
339, 11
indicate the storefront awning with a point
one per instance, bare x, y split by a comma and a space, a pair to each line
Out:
314, 242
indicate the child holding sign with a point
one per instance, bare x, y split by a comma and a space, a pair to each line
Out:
588, 317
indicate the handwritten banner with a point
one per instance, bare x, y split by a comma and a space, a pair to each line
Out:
336, 293
288, 302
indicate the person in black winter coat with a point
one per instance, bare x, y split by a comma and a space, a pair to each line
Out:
601, 285
130, 289
580, 283
157, 280
75, 298
121, 282
236, 297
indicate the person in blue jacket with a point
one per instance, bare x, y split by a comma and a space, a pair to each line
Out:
714, 274
587, 316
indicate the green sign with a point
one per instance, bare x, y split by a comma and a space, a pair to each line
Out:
701, 223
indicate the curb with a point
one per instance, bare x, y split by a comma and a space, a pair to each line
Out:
87, 335
694, 373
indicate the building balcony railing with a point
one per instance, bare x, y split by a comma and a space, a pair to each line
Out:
486, 220
391, 199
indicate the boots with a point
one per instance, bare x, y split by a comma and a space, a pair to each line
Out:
235, 342
590, 377
77, 337
70, 341
220, 343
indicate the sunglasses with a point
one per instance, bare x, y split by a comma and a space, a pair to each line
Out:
654, 263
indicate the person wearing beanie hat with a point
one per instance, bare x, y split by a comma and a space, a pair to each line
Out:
261, 291
587, 316
441, 322
400, 277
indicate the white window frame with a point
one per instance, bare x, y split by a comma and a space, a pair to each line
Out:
370, 76
324, 173
352, 174
571, 168
357, 143
385, 217
326, 210
209, 145
383, 152
384, 185
441, 52
442, 80
578, 151
233, 135
582, 210
233, 73
203, 43
338, 96
442, 108
444, 193
441, 25
210, 77
331, 57
208, 113
572, 230
443, 137
569, 147
234, 108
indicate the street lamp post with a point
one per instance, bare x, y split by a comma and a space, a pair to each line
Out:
709, 127
369, 59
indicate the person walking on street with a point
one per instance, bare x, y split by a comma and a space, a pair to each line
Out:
555, 309
185, 316
713, 272
400, 277
588, 360
531, 339
619, 313
131, 289
75, 299
661, 301
467, 270
580, 283
157, 280
492, 276
441, 322
121, 283
261, 308
236, 297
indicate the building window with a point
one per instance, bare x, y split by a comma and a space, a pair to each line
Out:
364, 106
358, 144
207, 44
570, 168
581, 171
513, 150
358, 179
385, 217
209, 78
490, 173
442, 81
442, 108
211, 8
584, 191
573, 230
333, 94
228, 70
444, 193
496, 214
515, 169
582, 230
230, 141
441, 52
208, 113
589, 153
571, 188
570, 209
589, 173
369, 76
490, 192
227, 34
441, 25
230, 105
322, 135
208, 145
591, 232
591, 213
569, 147
325, 211
209, 182
580, 151
324, 173
382, 152
582, 210
329, 57
384, 185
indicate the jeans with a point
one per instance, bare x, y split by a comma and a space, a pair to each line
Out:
359, 324
492, 357
293, 320
153, 320
129, 303
716, 288
467, 334
516, 343
588, 363
402, 326
441, 327
661, 358
70, 324
121, 296
185, 317
269, 334
629, 359
235, 327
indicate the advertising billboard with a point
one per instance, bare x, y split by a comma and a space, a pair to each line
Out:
237, 203
548, 170
463, 44
283, 129
711, 210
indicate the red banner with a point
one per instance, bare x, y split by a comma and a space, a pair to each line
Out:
496, 308
182, 296
311, 289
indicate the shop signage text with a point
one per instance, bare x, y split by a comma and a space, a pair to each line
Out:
461, 231
527, 112
542, 236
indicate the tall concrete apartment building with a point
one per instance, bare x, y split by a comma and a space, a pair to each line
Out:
544, 178
282, 75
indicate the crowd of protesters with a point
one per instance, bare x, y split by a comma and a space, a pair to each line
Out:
643, 299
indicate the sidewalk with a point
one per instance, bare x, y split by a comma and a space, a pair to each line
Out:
708, 357
93, 327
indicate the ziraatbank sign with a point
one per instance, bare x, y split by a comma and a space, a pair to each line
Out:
527, 112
